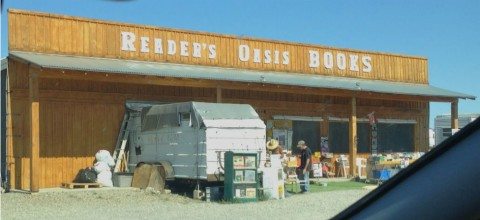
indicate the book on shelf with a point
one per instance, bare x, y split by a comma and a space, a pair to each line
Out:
249, 175
238, 162
239, 176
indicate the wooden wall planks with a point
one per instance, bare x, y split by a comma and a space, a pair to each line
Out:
78, 118
48, 33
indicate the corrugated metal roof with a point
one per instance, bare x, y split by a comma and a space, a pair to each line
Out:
230, 74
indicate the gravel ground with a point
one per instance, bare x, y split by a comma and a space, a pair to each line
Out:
129, 203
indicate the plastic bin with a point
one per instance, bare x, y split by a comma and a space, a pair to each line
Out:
394, 172
122, 179
381, 175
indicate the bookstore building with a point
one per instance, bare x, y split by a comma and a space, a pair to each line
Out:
68, 80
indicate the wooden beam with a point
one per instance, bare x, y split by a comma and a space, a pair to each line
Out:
352, 134
219, 95
333, 109
34, 131
170, 81
12, 166
454, 114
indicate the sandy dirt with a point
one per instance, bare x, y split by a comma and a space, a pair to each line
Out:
129, 203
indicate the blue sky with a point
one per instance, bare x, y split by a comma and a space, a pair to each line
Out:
446, 32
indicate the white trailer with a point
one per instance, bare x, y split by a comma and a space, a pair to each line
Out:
442, 125
191, 137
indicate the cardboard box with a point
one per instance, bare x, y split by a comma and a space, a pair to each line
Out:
292, 162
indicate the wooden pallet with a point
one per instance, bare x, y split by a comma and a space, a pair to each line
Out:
81, 185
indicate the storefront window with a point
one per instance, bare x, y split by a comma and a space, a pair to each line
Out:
395, 138
309, 131
391, 137
338, 137
363, 135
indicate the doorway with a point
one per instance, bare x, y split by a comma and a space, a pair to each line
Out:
309, 131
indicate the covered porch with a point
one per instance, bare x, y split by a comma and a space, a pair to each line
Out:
55, 79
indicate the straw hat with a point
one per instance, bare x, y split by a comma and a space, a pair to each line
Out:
272, 144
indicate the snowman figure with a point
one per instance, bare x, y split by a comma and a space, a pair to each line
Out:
103, 167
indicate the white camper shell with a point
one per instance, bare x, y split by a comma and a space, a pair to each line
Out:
443, 123
193, 136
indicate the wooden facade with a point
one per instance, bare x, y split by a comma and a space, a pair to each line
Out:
78, 118
80, 113
55, 34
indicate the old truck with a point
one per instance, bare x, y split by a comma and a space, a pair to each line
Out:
189, 139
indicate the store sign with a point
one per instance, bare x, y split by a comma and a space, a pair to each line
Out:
168, 46
246, 53
265, 56
341, 61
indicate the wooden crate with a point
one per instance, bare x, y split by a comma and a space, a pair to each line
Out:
81, 185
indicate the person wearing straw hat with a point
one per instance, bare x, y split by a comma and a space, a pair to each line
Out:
273, 147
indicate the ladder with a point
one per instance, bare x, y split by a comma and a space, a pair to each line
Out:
119, 153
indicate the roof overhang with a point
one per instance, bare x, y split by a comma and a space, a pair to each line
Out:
131, 67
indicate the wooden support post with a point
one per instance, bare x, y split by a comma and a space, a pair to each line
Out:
34, 131
352, 134
219, 95
454, 114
